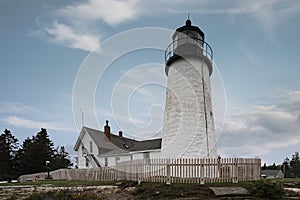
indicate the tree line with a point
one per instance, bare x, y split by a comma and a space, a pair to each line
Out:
290, 167
31, 156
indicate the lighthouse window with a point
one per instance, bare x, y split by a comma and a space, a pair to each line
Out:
181, 38
192, 34
176, 42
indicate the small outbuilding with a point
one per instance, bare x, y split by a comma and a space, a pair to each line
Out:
272, 174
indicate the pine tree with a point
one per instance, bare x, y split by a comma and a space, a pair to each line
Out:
61, 159
295, 165
291, 167
35, 152
8, 148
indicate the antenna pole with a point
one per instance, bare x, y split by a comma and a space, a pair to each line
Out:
82, 117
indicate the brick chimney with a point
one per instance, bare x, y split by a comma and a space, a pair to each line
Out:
107, 130
120, 134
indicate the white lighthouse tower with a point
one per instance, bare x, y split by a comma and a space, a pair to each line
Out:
188, 120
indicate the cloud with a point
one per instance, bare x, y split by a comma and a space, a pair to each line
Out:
16, 108
112, 12
32, 124
75, 29
264, 128
267, 13
68, 36
80, 22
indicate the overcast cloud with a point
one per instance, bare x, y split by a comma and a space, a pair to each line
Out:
71, 28
263, 128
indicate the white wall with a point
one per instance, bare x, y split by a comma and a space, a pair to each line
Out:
155, 154
127, 157
86, 143
81, 159
184, 132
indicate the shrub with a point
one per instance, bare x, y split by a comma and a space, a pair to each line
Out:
269, 189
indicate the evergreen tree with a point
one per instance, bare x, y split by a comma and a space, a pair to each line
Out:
271, 167
35, 152
8, 148
61, 159
291, 167
295, 165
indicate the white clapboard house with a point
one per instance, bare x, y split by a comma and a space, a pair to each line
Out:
102, 148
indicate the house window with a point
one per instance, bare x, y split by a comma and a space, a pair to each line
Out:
106, 162
91, 147
83, 150
146, 155
87, 162
117, 160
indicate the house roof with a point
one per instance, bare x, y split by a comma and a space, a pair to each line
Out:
102, 142
270, 172
148, 145
117, 144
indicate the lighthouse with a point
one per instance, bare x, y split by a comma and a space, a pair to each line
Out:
188, 129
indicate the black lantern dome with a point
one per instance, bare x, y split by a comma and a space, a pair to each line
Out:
188, 30
188, 41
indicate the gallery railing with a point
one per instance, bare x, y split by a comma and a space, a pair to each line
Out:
188, 46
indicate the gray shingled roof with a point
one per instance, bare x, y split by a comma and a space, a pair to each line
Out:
117, 144
148, 145
270, 172
103, 144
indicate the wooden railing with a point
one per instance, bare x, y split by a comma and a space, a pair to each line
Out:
182, 170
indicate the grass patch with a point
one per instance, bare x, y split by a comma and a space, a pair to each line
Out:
271, 188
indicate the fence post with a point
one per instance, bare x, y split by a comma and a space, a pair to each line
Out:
168, 181
202, 179
235, 171
117, 171
139, 172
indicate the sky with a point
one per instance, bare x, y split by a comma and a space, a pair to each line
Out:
68, 63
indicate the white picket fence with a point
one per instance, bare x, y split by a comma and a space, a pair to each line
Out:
95, 174
190, 170
182, 170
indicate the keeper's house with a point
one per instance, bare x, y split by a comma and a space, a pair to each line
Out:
98, 149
